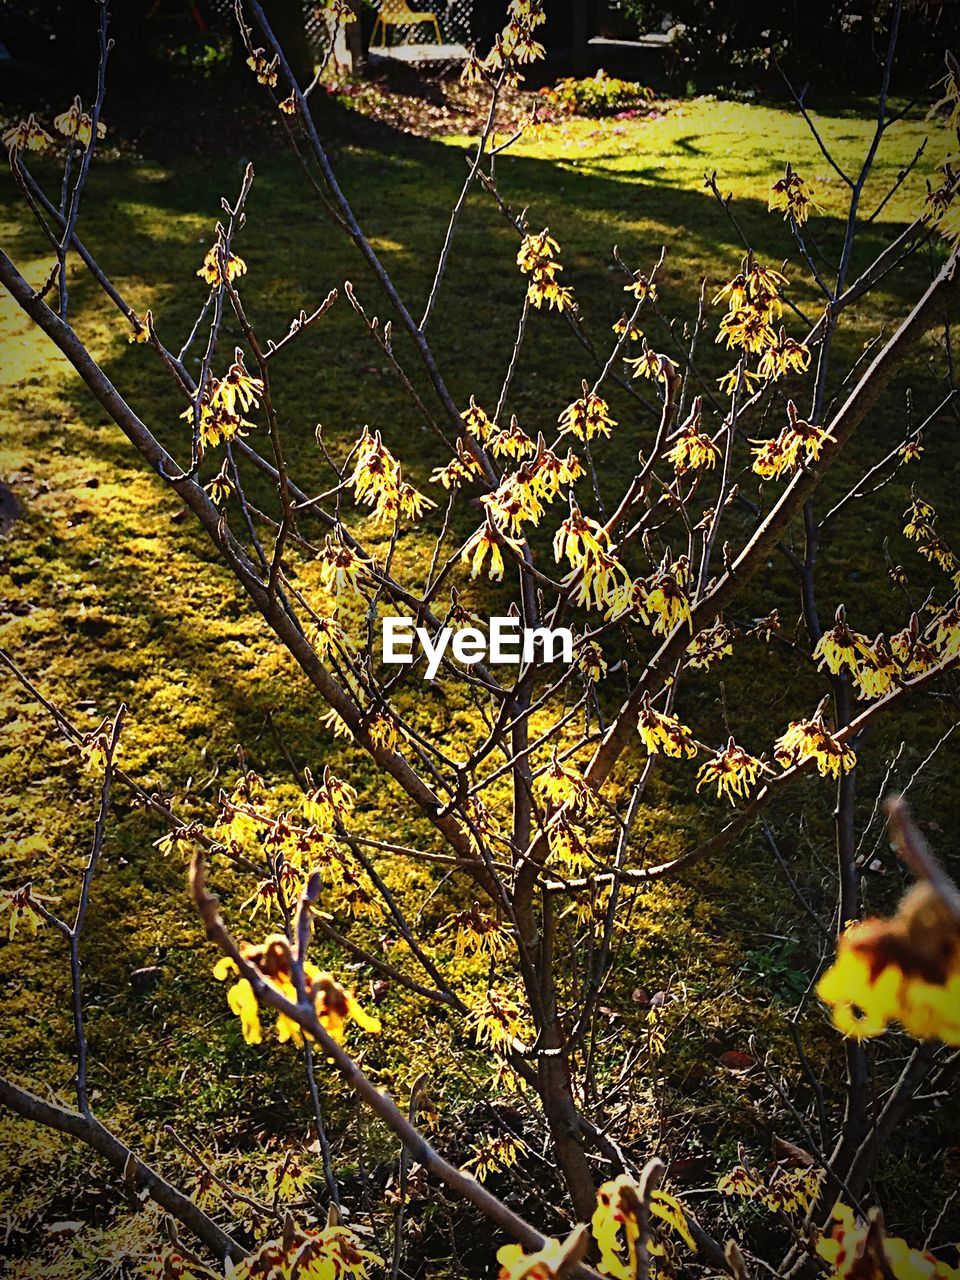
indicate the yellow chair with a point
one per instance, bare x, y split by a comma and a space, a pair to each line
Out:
397, 13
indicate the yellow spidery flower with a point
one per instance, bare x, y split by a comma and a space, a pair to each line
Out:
616, 1225
334, 1006
326, 634
664, 733
647, 365
553, 473
543, 1264
591, 662
856, 1250
812, 740
341, 568
511, 442
910, 652
783, 356
26, 135
692, 449
496, 1020
904, 969
739, 376
791, 195
568, 845
666, 596
462, 469
329, 802
476, 421
495, 1154
732, 770
476, 933
587, 417
331, 1253
383, 731
624, 326
77, 124
841, 647
799, 443
921, 518
537, 258
876, 674
22, 906
566, 789
484, 545
266, 72
210, 270
642, 287
579, 538
944, 631
708, 647
603, 583
237, 391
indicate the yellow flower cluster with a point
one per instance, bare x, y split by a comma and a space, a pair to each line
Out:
733, 771
566, 789
798, 443
496, 1019
904, 969
77, 124
543, 1264
327, 1254
692, 449
590, 660
921, 520
224, 403
857, 1250
341, 567
329, 802
518, 500
477, 422
264, 70
22, 906
26, 135
579, 539
870, 664
754, 299
459, 471
497, 1153
326, 634
377, 481
790, 194
587, 417
788, 1190
334, 1006
616, 1226
812, 740
941, 207
484, 545
665, 595
537, 258
646, 365
476, 933
210, 270
515, 46
708, 647
511, 442
568, 845
663, 733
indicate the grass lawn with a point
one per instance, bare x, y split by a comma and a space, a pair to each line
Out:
109, 593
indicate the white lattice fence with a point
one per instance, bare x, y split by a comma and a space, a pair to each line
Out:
454, 22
